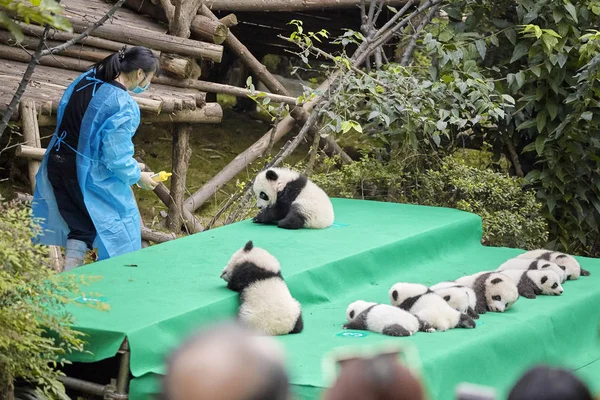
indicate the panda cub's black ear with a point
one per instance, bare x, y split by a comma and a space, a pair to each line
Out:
272, 175
395, 295
496, 281
249, 246
352, 314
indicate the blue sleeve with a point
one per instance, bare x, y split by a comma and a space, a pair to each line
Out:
117, 147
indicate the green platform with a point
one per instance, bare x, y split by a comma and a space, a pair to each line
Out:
175, 288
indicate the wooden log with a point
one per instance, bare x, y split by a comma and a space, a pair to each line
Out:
229, 20
212, 87
181, 67
31, 135
155, 40
182, 153
212, 113
30, 152
18, 54
196, 72
286, 5
209, 29
88, 53
157, 237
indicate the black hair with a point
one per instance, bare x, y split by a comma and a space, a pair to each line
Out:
126, 61
546, 383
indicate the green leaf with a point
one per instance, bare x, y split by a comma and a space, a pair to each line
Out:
520, 79
520, 50
537, 70
539, 143
540, 120
511, 35
587, 115
552, 110
571, 10
480, 44
532, 176
13, 28
526, 125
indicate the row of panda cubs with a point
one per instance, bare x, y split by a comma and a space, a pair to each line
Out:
291, 201
455, 304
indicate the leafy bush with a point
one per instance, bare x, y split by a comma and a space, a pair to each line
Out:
35, 333
511, 216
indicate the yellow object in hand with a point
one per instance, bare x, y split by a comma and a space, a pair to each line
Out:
161, 176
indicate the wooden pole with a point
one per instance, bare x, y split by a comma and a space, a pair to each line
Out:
229, 20
31, 134
209, 29
182, 153
30, 152
155, 40
157, 237
176, 65
213, 87
286, 5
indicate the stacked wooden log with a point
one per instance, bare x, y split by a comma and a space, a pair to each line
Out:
180, 58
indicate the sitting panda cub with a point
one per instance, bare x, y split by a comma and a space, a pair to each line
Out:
384, 319
266, 303
291, 200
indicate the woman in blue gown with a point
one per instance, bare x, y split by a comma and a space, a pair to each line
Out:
83, 194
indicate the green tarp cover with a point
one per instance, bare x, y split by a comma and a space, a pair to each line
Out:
174, 288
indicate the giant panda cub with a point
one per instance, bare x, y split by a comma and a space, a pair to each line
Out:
265, 300
526, 263
384, 319
531, 282
494, 291
291, 200
461, 298
565, 261
418, 300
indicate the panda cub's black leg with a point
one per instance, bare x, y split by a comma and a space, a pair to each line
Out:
267, 215
585, 272
472, 313
395, 330
466, 321
424, 326
293, 220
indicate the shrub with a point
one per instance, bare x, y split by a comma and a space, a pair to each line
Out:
35, 333
511, 216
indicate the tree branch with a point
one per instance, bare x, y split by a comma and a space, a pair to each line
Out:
86, 33
35, 60
413, 40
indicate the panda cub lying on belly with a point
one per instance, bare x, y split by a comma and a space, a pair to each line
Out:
291, 200
266, 303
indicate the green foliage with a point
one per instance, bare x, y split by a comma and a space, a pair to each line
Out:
511, 216
544, 56
35, 333
40, 11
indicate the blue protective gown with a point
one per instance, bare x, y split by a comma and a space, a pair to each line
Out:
106, 170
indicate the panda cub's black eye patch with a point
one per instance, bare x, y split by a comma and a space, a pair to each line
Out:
555, 285
264, 196
496, 298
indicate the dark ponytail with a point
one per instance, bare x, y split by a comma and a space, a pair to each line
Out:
126, 61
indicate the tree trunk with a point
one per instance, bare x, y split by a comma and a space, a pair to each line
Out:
31, 135
210, 30
7, 388
181, 158
285, 5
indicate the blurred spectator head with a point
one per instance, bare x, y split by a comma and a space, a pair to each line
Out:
547, 383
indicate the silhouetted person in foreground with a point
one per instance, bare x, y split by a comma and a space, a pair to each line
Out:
226, 362
378, 378
547, 383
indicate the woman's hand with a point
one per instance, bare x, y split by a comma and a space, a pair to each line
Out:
146, 181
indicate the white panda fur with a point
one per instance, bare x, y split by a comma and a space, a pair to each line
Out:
526, 263
291, 200
572, 267
461, 298
532, 282
495, 292
423, 303
382, 318
266, 303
